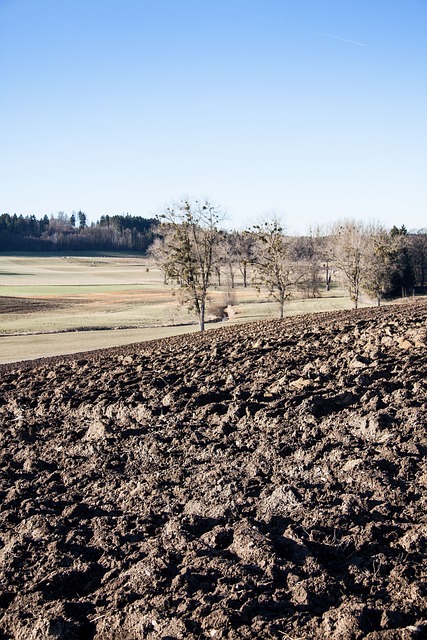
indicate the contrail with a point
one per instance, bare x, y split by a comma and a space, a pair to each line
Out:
327, 35
286, 24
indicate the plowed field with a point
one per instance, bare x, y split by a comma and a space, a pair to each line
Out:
260, 481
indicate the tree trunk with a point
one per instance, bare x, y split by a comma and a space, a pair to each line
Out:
357, 292
282, 306
202, 316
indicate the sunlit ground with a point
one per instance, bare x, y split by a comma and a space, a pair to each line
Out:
56, 305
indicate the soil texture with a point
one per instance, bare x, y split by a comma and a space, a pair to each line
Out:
260, 481
13, 305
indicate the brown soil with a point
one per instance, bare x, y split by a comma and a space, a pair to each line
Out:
9, 304
260, 481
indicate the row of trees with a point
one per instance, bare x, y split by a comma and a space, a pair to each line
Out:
195, 253
72, 233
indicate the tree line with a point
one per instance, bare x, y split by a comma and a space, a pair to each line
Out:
64, 233
194, 253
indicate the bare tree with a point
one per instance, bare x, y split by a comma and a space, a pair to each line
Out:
190, 237
349, 242
273, 265
229, 258
244, 246
325, 251
157, 251
305, 252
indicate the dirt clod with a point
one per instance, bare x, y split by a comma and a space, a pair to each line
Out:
260, 481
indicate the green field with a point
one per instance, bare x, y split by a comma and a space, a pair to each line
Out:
55, 305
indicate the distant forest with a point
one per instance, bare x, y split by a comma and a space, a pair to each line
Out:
72, 233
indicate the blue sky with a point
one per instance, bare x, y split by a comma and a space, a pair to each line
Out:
315, 110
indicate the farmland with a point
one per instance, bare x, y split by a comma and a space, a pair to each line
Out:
262, 480
57, 305
259, 481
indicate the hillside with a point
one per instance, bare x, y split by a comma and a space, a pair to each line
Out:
260, 481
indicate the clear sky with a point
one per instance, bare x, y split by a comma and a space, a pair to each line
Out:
313, 109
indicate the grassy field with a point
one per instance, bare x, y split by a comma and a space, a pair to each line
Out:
55, 305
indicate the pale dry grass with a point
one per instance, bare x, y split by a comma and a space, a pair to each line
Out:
30, 347
102, 302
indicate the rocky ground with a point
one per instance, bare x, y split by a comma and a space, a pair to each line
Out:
261, 481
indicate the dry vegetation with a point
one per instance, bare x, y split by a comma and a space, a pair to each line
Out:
55, 305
